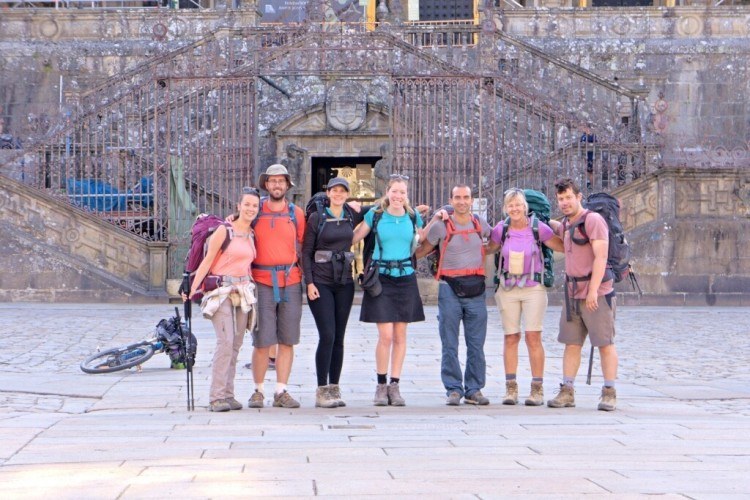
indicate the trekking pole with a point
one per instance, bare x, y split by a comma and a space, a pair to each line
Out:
591, 365
188, 370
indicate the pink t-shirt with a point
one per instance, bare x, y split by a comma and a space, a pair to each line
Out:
236, 259
522, 241
579, 259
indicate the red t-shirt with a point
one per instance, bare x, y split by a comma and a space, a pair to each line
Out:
579, 259
277, 243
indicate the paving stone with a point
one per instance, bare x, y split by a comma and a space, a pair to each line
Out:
682, 427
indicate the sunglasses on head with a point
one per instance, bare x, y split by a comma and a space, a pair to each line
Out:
400, 177
250, 190
513, 190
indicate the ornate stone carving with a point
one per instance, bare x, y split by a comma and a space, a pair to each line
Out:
382, 170
295, 163
346, 106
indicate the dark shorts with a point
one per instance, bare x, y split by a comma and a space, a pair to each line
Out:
599, 324
278, 323
400, 302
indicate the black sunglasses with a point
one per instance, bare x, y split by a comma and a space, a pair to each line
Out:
400, 177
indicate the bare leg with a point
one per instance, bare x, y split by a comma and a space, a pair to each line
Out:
608, 355
398, 352
260, 364
284, 359
510, 352
383, 349
536, 353
571, 360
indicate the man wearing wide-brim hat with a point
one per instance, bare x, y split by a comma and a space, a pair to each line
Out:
279, 231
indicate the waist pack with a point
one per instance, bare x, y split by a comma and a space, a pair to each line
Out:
466, 287
369, 280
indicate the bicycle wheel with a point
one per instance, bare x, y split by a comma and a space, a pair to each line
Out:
119, 358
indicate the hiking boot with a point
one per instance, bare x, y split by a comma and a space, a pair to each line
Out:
476, 399
511, 393
219, 405
285, 400
453, 399
381, 395
324, 398
536, 398
336, 394
256, 400
608, 399
565, 398
394, 395
233, 404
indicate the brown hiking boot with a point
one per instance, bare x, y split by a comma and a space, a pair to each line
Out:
324, 398
608, 399
536, 398
256, 400
285, 400
233, 404
565, 398
511, 393
394, 395
381, 395
219, 405
336, 394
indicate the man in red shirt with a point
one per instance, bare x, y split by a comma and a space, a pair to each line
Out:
590, 298
279, 231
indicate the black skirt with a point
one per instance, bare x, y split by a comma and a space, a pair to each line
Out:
399, 303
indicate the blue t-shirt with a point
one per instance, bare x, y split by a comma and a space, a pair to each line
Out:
396, 235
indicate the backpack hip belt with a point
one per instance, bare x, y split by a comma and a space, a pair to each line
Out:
394, 264
230, 280
287, 268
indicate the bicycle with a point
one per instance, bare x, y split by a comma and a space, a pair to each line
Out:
170, 335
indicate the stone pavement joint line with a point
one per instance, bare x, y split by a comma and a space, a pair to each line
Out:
681, 428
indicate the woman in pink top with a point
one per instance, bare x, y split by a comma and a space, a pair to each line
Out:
230, 321
521, 292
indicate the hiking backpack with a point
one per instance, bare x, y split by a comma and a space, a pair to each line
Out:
369, 246
436, 266
317, 204
203, 228
619, 253
539, 210
274, 215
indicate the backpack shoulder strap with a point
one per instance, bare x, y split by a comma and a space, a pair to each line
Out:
535, 229
581, 225
292, 213
504, 234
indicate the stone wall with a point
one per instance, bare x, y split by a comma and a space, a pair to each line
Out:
54, 251
690, 233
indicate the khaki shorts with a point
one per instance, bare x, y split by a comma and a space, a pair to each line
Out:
599, 324
278, 323
531, 303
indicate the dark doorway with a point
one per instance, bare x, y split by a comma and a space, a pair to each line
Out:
355, 169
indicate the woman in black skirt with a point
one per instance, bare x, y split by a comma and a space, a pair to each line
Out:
399, 303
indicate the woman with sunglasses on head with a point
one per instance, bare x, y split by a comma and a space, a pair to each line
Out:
229, 305
520, 292
327, 264
399, 303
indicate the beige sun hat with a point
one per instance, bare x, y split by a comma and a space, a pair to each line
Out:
275, 169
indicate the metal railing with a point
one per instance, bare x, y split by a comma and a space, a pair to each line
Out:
107, 4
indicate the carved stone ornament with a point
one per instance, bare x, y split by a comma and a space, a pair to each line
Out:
346, 106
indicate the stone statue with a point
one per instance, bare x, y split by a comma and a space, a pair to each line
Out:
382, 170
294, 163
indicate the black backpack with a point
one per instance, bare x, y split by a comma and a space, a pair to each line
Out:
619, 254
317, 204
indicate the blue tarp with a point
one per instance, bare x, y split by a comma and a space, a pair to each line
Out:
103, 197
